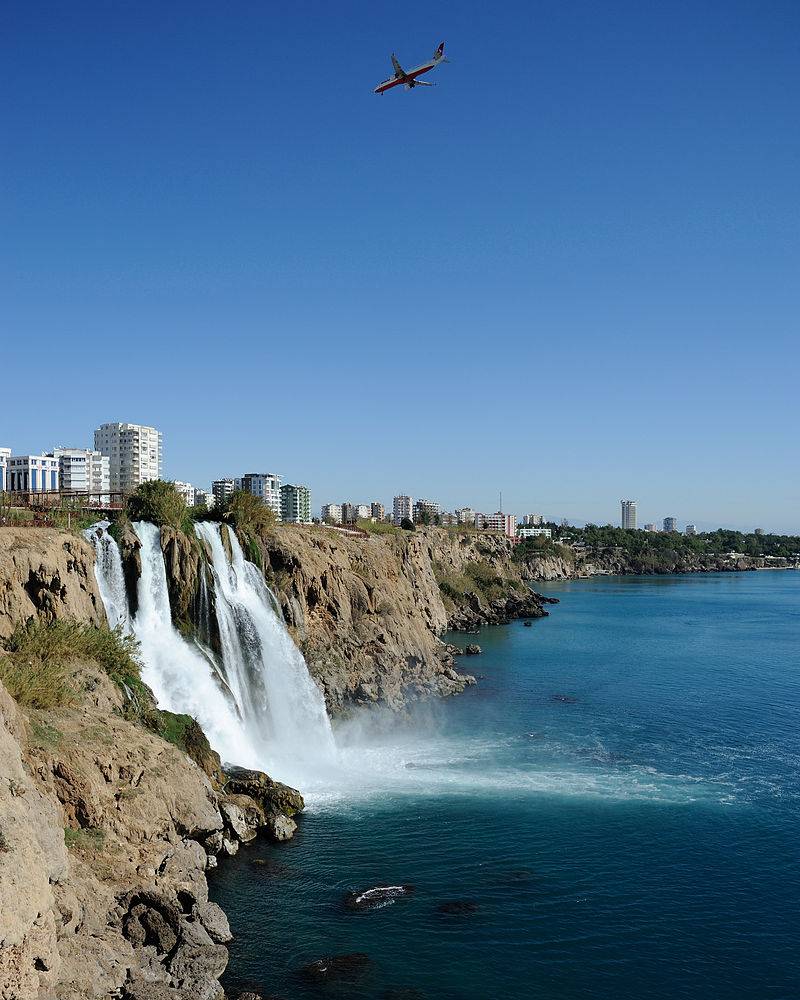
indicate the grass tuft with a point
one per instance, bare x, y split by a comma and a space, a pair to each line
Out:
40, 657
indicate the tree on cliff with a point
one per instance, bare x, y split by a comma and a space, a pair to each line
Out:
407, 525
158, 501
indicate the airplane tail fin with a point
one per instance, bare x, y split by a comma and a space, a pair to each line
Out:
438, 55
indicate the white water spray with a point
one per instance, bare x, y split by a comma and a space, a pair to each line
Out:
266, 673
257, 705
110, 576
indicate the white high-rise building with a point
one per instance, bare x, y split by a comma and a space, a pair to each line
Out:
363, 511
83, 470
135, 454
628, 513
425, 510
465, 515
187, 491
202, 498
267, 486
533, 520
332, 513
691, 529
222, 489
670, 524
5, 454
402, 509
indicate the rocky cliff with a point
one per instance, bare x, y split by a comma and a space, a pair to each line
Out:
616, 562
368, 613
48, 574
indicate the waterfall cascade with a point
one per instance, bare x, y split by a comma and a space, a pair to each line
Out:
256, 702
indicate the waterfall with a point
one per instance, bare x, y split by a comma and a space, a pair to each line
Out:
110, 576
263, 667
257, 705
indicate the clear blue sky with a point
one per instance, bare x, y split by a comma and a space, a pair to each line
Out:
569, 271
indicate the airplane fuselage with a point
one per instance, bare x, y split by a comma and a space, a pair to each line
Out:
406, 78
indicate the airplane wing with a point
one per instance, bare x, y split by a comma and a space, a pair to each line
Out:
398, 69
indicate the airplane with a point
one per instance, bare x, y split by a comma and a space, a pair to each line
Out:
409, 79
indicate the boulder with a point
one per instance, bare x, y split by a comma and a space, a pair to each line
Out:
271, 795
213, 919
473, 649
280, 827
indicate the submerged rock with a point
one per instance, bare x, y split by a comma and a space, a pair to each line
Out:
458, 907
336, 967
376, 897
565, 699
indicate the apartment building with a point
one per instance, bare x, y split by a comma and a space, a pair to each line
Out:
222, 489
349, 513
377, 510
187, 491
295, 504
5, 454
332, 513
670, 524
465, 515
504, 523
402, 509
533, 520
32, 473
267, 486
628, 513
135, 453
528, 531
425, 511
83, 470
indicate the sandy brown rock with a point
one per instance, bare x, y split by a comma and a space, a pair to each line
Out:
125, 901
46, 573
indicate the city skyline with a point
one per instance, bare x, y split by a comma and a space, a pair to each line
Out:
549, 515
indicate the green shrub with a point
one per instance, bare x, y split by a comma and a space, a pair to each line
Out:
159, 502
84, 839
377, 527
37, 669
247, 513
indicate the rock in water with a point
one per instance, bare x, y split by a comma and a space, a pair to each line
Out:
473, 649
376, 897
457, 907
336, 967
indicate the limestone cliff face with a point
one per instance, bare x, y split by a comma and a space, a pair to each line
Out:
368, 612
613, 562
134, 809
46, 573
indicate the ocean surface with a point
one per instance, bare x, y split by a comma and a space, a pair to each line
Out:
611, 813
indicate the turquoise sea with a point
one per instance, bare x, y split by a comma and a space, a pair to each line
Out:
611, 813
